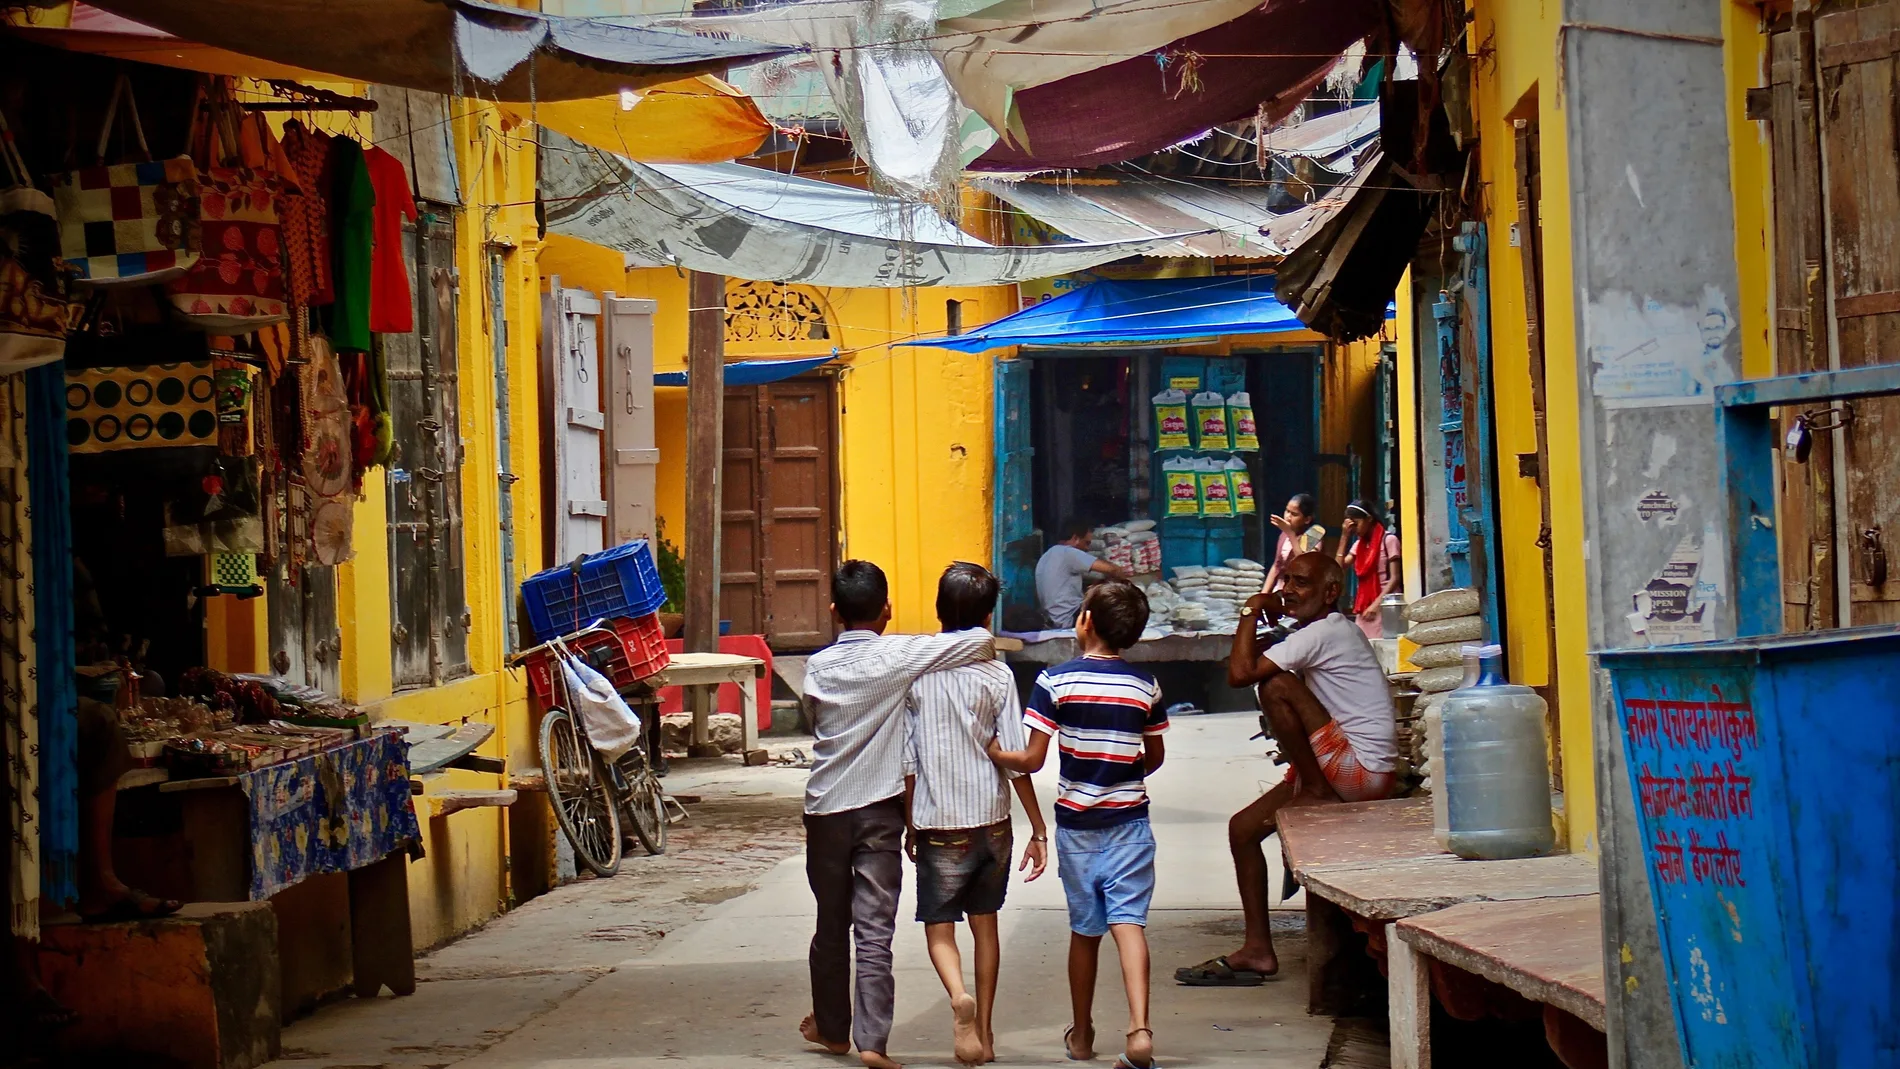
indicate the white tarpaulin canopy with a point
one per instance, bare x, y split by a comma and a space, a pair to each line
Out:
740, 221
505, 53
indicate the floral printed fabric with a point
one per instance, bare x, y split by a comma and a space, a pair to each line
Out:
334, 811
238, 283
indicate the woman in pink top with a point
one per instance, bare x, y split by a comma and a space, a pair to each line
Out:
1298, 534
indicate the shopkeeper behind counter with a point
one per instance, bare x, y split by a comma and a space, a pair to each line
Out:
1063, 569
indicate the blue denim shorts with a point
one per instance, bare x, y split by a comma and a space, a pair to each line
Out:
1108, 874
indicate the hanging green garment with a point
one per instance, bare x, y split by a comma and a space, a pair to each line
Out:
352, 226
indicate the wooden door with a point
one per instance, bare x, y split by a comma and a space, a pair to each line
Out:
571, 370
1858, 56
777, 539
305, 642
1528, 236
1831, 110
632, 475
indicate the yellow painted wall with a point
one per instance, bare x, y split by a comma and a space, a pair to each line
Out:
463, 880
1514, 48
915, 425
1411, 503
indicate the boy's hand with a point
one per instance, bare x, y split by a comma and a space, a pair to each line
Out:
910, 843
995, 751
1035, 858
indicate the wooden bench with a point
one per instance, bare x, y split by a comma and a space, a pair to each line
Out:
1530, 925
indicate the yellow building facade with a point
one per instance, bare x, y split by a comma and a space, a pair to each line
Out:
1514, 48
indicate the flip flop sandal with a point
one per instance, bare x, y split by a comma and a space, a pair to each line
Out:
135, 906
1216, 972
1123, 1061
1066, 1033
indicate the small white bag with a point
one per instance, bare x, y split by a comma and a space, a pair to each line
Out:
612, 727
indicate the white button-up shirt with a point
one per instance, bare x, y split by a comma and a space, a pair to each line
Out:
954, 713
856, 688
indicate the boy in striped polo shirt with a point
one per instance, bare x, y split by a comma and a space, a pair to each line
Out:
1107, 718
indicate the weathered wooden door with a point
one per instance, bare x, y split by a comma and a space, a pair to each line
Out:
632, 475
1832, 112
305, 643
576, 420
777, 536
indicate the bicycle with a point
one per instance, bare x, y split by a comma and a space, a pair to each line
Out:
588, 794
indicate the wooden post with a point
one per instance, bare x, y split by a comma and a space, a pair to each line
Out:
705, 424
1409, 1003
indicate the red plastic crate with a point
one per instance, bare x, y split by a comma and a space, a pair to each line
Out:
637, 650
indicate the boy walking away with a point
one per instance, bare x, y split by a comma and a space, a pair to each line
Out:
959, 807
854, 804
1107, 717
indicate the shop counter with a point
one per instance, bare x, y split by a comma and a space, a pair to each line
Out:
342, 816
1056, 647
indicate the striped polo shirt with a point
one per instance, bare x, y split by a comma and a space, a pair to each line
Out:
1099, 709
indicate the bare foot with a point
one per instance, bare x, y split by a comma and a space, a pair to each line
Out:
989, 1047
1141, 1046
809, 1029
1080, 1041
873, 1059
969, 1044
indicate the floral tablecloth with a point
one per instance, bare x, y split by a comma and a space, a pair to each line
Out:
334, 811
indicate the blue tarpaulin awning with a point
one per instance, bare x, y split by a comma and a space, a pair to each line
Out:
1152, 311
750, 372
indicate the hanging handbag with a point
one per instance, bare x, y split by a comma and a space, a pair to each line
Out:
128, 223
238, 283
34, 312
612, 727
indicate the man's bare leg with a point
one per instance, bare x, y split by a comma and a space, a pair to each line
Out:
1293, 714
989, 955
1246, 832
942, 941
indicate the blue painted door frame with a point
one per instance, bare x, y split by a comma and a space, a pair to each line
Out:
1462, 320
1015, 543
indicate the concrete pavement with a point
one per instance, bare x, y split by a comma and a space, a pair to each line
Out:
727, 990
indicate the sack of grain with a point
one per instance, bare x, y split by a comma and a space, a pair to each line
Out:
1434, 680
1242, 564
1443, 655
1443, 605
1456, 629
1190, 571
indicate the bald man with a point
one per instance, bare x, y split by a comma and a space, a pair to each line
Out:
1326, 701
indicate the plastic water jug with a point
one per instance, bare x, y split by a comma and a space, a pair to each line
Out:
1490, 765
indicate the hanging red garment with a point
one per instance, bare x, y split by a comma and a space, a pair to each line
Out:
390, 309
306, 217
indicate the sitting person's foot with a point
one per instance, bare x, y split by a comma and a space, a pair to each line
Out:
127, 905
1140, 1051
809, 1029
1238, 969
1078, 1042
875, 1059
969, 1044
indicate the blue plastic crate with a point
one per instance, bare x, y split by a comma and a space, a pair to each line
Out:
621, 581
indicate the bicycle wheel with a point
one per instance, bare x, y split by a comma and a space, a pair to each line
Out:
646, 805
582, 796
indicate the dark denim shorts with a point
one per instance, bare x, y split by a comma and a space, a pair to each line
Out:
960, 872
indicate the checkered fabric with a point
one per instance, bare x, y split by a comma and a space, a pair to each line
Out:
129, 222
233, 569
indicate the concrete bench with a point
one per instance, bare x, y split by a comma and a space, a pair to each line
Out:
1374, 868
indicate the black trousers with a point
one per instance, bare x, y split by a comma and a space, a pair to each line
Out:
854, 862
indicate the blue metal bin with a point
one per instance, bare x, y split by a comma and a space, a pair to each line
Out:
1766, 775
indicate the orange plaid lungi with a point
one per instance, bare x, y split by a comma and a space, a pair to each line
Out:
1352, 780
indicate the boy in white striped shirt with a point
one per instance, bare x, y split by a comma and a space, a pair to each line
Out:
958, 807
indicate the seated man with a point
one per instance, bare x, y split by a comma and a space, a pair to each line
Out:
1327, 703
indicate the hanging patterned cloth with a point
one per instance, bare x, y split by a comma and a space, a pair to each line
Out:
327, 474
19, 698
